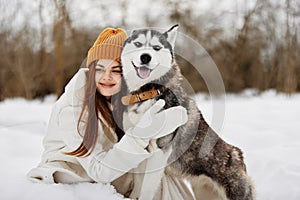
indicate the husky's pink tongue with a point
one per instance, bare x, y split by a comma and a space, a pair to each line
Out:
143, 72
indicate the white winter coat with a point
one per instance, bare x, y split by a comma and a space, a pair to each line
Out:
110, 161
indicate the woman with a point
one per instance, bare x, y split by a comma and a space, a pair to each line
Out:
85, 141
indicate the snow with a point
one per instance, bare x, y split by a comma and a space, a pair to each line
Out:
264, 126
22, 128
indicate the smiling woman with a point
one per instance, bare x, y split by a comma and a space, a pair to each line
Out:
85, 140
108, 77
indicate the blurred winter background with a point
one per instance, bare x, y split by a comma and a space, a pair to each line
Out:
254, 43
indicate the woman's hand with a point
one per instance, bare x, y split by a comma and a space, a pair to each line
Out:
156, 123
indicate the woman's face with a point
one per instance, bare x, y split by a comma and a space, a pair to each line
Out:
108, 77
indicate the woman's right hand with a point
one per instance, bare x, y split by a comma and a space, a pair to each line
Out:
156, 123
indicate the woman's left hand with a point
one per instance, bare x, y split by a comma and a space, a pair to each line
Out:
156, 123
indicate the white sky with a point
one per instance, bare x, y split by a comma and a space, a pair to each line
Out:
89, 13
93, 15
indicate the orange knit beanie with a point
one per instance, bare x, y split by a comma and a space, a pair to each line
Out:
108, 45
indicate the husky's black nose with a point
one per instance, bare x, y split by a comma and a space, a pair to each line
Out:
145, 58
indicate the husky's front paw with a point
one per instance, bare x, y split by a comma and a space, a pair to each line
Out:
165, 141
152, 146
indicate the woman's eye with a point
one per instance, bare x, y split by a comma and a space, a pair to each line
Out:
156, 47
117, 71
99, 70
138, 44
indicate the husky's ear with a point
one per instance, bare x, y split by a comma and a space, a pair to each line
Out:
171, 35
133, 32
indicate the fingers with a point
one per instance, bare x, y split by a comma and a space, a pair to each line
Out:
83, 70
182, 113
155, 124
171, 119
178, 114
179, 111
157, 106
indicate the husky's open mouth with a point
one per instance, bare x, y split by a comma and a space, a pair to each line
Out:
142, 71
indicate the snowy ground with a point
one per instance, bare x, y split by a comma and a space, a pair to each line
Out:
264, 126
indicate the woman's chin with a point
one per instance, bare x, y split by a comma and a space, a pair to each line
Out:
107, 92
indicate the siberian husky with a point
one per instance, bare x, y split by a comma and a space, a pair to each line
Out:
151, 73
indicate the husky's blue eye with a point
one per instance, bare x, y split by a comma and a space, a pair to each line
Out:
156, 47
138, 44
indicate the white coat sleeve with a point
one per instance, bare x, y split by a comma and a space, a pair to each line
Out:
102, 166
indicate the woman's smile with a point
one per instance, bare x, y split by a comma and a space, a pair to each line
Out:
107, 85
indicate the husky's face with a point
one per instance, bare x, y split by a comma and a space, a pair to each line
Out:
147, 55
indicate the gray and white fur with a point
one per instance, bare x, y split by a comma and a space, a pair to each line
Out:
198, 153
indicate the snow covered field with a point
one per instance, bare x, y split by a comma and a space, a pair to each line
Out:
264, 126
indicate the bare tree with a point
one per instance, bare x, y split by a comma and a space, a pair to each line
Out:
58, 37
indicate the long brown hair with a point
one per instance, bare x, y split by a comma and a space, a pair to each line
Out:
95, 103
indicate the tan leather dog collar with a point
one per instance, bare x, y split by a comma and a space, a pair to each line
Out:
135, 98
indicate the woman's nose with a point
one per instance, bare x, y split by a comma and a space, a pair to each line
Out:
106, 75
